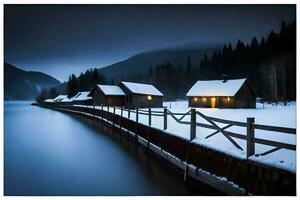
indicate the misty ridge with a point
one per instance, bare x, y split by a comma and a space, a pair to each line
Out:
25, 85
269, 64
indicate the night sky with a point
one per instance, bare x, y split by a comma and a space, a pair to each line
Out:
60, 40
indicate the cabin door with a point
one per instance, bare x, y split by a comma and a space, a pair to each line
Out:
213, 102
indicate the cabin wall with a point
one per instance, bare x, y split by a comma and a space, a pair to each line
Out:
140, 101
115, 100
83, 102
222, 102
99, 98
245, 98
203, 102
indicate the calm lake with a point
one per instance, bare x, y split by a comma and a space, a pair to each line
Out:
47, 152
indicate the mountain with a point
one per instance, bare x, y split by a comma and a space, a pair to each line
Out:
140, 63
24, 85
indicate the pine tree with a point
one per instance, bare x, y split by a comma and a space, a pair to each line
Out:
254, 44
95, 77
53, 93
43, 95
72, 86
69, 86
188, 67
82, 85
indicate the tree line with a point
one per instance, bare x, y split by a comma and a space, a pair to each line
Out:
84, 82
268, 63
46, 94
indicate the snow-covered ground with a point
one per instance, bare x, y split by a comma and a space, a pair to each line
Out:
283, 116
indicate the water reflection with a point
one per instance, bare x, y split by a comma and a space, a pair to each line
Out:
51, 153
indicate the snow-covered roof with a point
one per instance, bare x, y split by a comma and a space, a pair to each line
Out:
60, 97
139, 88
216, 88
49, 100
66, 99
81, 96
111, 90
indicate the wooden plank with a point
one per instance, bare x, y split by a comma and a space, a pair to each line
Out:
149, 116
225, 121
275, 144
189, 112
176, 119
236, 135
275, 128
158, 115
214, 133
250, 136
174, 113
205, 125
218, 128
193, 125
165, 118
270, 151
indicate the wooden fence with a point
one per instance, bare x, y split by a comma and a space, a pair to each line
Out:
250, 125
256, 178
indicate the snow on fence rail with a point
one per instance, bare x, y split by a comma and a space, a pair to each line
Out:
250, 138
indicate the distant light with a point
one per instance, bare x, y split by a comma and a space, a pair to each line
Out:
228, 99
195, 99
204, 99
149, 97
213, 99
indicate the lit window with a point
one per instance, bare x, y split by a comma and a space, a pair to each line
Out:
228, 99
204, 99
213, 99
149, 97
195, 99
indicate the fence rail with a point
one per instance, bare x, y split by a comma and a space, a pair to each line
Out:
250, 126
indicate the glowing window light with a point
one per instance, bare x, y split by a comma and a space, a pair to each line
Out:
195, 99
204, 99
228, 99
149, 97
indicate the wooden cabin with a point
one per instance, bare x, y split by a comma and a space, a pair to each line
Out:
140, 95
108, 95
60, 99
235, 93
82, 98
49, 101
65, 101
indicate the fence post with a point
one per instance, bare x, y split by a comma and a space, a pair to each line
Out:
193, 124
107, 113
165, 118
149, 113
128, 113
137, 115
102, 116
137, 123
114, 111
250, 137
122, 111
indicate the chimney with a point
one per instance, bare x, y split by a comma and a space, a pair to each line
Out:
224, 77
